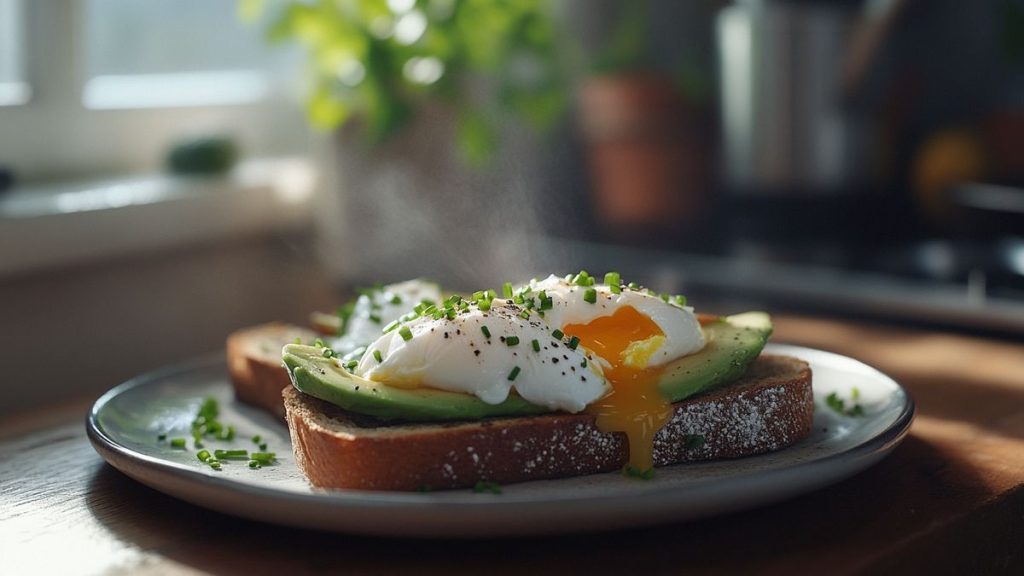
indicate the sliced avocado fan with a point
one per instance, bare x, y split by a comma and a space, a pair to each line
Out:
732, 344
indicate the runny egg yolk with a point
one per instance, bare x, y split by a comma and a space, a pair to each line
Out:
635, 406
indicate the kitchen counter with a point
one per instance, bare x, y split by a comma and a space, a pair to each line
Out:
949, 499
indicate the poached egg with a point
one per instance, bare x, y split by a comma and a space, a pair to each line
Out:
569, 344
377, 307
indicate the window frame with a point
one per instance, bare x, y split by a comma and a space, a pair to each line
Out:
57, 127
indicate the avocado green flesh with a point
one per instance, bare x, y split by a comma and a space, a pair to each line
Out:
731, 345
322, 378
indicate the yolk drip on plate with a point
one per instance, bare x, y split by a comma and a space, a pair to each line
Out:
635, 406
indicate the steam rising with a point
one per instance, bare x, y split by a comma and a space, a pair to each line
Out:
413, 209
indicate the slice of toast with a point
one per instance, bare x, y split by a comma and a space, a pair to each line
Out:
254, 363
769, 408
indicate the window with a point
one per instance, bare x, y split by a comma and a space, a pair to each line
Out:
115, 83
14, 89
162, 53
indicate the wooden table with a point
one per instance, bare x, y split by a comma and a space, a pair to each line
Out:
950, 499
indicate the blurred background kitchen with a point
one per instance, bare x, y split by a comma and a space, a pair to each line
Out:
173, 170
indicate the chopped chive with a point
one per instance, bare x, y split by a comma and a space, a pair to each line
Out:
525, 314
512, 375
203, 455
680, 300
230, 454
256, 439
615, 288
558, 334
178, 443
396, 299
351, 365
506, 289
162, 437
254, 464
478, 295
484, 305
318, 343
391, 326
536, 345
328, 352
518, 299
511, 340
263, 447
463, 306
486, 486
438, 314
375, 318
612, 279
491, 294
584, 363
215, 465
694, 441
450, 313
378, 356
664, 296
298, 340
263, 457
633, 286
405, 333
546, 303
590, 295
574, 342
486, 331
634, 472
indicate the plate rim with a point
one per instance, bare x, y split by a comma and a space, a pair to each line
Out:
123, 458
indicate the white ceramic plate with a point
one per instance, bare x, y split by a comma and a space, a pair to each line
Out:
125, 422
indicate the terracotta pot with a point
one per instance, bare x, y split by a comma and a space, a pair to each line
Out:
648, 153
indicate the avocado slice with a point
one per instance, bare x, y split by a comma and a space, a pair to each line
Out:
732, 343
322, 378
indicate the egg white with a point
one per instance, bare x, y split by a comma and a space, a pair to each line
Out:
455, 355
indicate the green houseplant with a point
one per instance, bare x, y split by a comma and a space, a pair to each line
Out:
375, 63
417, 96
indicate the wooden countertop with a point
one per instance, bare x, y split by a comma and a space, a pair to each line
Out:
950, 499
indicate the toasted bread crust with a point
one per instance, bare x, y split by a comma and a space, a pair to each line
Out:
769, 408
254, 363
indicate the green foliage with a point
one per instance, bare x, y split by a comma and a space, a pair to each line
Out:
377, 60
